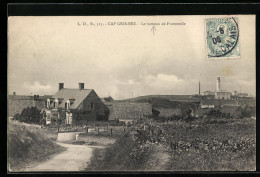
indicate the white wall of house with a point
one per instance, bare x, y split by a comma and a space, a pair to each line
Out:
207, 106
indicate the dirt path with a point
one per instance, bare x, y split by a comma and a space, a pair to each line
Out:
74, 158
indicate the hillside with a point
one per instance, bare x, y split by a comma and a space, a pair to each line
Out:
181, 98
28, 144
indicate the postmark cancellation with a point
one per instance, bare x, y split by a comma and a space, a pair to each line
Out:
222, 37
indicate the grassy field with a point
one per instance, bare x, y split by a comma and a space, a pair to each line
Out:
209, 145
28, 144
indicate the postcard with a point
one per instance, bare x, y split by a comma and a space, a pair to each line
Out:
131, 93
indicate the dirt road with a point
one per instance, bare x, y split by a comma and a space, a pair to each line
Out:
75, 158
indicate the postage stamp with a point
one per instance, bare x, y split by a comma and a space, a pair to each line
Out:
222, 37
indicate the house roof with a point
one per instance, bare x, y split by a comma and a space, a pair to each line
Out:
208, 102
78, 94
129, 110
27, 97
232, 110
229, 102
45, 97
249, 102
20, 97
218, 102
208, 91
107, 100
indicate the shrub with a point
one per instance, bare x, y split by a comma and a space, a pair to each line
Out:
29, 115
80, 115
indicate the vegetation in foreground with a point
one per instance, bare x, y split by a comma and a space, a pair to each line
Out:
28, 144
210, 144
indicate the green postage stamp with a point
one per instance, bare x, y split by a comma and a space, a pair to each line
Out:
222, 40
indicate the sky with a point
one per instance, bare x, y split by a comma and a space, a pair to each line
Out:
121, 60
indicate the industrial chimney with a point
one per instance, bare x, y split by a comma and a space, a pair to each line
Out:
199, 87
61, 86
81, 86
218, 84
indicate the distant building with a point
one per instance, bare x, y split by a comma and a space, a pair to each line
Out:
225, 95
234, 93
242, 95
217, 103
16, 103
208, 92
221, 94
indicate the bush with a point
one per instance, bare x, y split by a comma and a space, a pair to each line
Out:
79, 115
214, 144
116, 123
29, 115
125, 154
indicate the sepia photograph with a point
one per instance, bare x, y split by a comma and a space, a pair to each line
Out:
131, 93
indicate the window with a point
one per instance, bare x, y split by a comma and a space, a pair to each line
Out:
48, 103
67, 104
91, 105
55, 103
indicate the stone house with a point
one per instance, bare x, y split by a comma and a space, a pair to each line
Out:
86, 102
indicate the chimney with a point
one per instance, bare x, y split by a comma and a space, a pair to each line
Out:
14, 93
81, 86
218, 84
61, 86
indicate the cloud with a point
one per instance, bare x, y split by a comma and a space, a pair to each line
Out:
38, 88
169, 84
163, 81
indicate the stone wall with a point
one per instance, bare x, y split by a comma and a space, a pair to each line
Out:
164, 112
129, 110
67, 136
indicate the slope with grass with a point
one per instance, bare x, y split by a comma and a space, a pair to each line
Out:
28, 144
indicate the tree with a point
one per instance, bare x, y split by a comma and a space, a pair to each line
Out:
29, 115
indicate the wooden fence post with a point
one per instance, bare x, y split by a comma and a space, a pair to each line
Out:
111, 131
87, 130
98, 131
